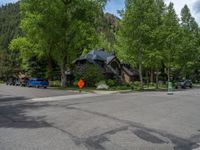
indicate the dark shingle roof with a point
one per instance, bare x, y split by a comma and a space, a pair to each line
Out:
99, 54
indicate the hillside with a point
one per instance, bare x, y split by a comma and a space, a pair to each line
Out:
9, 23
9, 29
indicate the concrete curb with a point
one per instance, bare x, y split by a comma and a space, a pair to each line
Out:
77, 96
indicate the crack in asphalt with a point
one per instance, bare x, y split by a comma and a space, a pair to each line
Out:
95, 142
179, 143
92, 142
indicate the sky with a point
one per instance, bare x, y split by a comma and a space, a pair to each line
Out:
2, 2
194, 6
114, 5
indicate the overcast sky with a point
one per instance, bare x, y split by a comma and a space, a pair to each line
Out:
115, 5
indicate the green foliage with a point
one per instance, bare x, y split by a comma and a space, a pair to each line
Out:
9, 23
54, 83
150, 37
23, 46
62, 29
187, 56
89, 73
171, 34
136, 33
9, 29
111, 83
76, 83
135, 85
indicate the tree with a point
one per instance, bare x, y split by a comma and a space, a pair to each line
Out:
188, 54
61, 28
154, 54
171, 36
136, 29
9, 29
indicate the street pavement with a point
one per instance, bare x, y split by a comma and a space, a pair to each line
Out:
129, 121
14, 93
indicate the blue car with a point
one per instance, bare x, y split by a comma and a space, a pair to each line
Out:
38, 82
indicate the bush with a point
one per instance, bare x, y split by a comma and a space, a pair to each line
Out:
54, 83
75, 83
90, 73
135, 85
111, 83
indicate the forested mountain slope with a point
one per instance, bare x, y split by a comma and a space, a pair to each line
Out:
9, 29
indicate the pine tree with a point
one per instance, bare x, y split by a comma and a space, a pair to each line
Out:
171, 38
187, 55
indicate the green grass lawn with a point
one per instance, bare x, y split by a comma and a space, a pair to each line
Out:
197, 85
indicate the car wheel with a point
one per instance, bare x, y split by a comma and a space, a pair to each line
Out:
183, 87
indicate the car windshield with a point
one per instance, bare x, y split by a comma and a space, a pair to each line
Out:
182, 81
41, 80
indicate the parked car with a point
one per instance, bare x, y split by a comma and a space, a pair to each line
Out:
11, 81
24, 81
183, 84
38, 82
17, 82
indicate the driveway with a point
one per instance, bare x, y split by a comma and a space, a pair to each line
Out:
131, 121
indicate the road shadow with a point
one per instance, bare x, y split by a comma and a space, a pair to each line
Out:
7, 99
15, 116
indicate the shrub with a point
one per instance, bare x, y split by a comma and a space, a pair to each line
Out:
54, 83
135, 85
75, 83
90, 73
111, 83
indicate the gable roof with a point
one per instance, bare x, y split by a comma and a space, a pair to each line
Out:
99, 54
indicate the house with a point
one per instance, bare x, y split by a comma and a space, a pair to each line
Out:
109, 64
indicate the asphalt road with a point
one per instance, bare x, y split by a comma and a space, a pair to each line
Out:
14, 93
131, 121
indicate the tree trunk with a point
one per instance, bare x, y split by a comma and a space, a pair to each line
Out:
157, 75
168, 74
152, 77
50, 68
184, 72
63, 77
147, 77
141, 76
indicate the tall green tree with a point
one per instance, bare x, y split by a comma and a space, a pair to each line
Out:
154, 54
171, 36
61, 28
188, 54
136, 29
